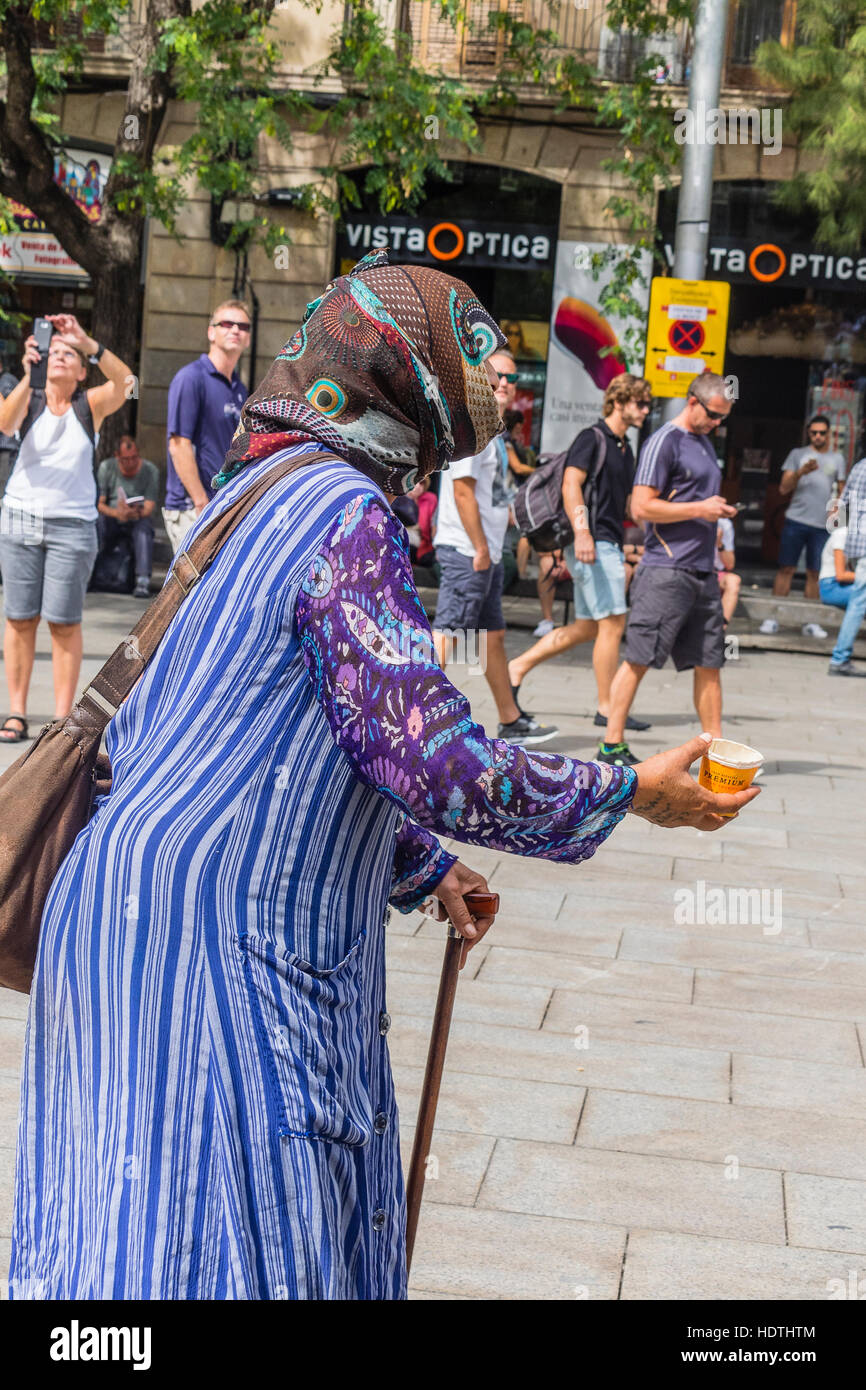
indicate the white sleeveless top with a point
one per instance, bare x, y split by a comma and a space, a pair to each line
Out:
53, 473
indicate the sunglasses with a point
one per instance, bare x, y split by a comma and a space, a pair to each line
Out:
819, 430
506, 376
644, 405
715, 414
231, 323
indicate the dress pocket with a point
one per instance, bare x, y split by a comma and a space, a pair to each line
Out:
312, 1036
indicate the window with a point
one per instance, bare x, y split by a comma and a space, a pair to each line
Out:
754, 22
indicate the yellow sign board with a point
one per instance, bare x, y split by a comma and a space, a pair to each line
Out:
688, 326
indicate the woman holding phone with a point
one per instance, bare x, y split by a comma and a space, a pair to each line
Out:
48, 521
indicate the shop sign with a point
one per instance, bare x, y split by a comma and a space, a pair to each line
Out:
580, 364
772, 262
688, 325
33, 249
447, 244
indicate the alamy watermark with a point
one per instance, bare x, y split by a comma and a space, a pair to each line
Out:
739, 125
27, 525
716, 906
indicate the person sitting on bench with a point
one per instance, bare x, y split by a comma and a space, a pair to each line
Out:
128, 494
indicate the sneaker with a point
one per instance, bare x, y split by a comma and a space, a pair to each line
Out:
546, 625
769, 627
635, 725
844, 668
813, 630
526, 729
617, 754
142, 588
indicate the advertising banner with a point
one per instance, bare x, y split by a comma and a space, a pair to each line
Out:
33, 249
577, 372
841, 402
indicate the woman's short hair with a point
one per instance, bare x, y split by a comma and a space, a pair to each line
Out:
625, 388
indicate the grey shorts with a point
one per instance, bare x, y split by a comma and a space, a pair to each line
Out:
468, 598
676, 613
46, 565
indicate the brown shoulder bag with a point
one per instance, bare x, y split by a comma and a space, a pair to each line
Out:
46, 797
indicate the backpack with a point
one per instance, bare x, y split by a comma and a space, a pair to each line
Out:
538, 508
80, 405
113, 569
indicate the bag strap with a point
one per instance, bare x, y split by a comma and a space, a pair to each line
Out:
35, 407
601, 454
80, 406
84, 415
111, 685
590, 492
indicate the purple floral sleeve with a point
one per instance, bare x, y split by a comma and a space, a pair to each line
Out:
410, 734
420, 863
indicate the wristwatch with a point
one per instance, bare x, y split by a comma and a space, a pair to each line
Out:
100, 349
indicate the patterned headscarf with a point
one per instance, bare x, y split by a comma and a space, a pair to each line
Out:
387, 371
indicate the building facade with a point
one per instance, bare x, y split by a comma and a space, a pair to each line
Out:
514, 223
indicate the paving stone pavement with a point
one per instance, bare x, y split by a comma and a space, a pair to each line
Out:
643, 1099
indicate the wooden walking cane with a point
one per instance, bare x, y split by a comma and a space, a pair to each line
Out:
479, 905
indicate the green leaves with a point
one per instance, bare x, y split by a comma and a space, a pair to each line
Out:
825, 75
394, 116
385, 114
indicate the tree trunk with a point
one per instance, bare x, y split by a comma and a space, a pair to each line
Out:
116, 324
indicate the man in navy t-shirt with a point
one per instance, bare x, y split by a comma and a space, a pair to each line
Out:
205, 400
676, 607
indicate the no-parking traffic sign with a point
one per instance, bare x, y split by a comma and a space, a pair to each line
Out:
688, 327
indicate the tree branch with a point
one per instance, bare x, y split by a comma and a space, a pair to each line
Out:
148, 94
27, 156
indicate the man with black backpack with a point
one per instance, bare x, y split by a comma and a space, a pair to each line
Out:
472, 522
597, 472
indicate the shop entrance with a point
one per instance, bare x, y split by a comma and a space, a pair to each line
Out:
796, 346
34, 299
497, 230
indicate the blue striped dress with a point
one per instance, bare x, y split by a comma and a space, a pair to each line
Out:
207, 1108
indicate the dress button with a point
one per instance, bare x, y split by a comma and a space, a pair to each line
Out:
379, 1218
384, 1023
380, 1123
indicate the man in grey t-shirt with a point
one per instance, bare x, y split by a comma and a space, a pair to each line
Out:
809, 473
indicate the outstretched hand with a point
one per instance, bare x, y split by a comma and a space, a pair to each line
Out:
668, 795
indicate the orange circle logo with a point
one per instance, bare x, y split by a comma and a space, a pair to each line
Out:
433, 234
758, 251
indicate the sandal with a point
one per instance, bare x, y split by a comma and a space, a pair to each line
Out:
13, 735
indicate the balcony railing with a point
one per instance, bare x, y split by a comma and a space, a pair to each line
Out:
118, 46
475, 49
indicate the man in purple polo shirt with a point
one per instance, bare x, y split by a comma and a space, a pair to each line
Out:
204, 406
676, 607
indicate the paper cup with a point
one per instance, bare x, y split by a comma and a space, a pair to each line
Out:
729, 767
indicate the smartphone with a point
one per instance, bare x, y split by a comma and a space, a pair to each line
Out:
43, 332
